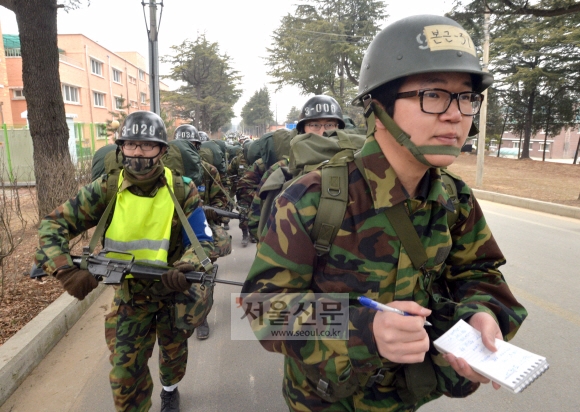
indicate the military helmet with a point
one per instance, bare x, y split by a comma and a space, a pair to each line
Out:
203, 137
143, 126
419, 44
320, 107
187, 132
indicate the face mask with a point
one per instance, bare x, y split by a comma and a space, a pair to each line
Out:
139, 166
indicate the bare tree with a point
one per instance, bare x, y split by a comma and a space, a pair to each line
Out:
12, 225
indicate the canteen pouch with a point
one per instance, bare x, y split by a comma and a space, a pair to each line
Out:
415, 381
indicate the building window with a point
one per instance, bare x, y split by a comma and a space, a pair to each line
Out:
99, 99
116, 76
18, 94
119, 103
96, 67
547, 147
70, 94
141, 75
134, 103
143, 98
132, 79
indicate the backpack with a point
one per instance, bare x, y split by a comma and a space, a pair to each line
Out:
212, 153
308, 152
271, 147
330, 153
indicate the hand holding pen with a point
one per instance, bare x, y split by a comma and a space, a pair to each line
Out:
369, 303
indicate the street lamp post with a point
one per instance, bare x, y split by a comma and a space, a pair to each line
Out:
152, 32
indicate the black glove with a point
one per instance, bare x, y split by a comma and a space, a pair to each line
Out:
175, 280
210, 215
77, 282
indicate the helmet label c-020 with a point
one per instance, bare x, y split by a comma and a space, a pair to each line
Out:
134, 129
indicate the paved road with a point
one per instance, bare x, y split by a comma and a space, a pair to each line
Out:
224, 374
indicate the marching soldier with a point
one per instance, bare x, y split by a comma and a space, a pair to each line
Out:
142, 224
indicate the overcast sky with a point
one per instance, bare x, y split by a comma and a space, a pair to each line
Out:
241, 28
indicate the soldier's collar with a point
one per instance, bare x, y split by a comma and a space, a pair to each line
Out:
386, 188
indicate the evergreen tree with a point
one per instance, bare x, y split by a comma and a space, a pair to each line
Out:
256, 112
535, 60
211, 85
319, 48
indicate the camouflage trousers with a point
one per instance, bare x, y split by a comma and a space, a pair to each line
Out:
130, 331
222, 242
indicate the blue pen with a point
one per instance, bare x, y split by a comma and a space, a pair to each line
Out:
369, 303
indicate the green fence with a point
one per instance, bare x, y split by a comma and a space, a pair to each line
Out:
16, 150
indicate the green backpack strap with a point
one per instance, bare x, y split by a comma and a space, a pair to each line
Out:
332, 207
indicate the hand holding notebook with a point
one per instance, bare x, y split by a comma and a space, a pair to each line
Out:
512, 367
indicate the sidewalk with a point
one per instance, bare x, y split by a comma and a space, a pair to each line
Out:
25, 350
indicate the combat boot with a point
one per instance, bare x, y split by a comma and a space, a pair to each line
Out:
169, 401
203, 330
245, 237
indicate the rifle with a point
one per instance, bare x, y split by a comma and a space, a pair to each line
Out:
226, 213
112, 271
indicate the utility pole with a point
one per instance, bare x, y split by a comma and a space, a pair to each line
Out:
152, 32
483, 112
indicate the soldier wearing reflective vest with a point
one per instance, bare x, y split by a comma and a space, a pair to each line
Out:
143, 223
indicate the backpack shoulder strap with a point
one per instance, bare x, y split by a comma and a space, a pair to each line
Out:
179, 188
112, 184
451, 188
332, 207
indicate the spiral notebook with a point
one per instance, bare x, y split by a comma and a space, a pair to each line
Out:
512, 367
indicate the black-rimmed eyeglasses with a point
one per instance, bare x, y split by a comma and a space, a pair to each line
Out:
437, 101
146, 146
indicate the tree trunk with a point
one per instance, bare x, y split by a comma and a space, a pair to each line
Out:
53, 168
528, 126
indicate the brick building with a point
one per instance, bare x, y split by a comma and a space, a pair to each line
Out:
95, 83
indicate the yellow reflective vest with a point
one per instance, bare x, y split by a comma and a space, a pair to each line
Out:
141, 226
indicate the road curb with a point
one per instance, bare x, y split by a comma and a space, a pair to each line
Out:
24, 351
546, 207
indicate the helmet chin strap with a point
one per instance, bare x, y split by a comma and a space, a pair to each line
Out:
373, 110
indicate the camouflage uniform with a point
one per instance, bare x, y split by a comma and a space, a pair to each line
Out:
142, 309
256, 206
248, 184
236, 169
366, 258
214, 195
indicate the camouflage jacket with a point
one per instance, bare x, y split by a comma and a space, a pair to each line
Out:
83, 212
249, 182
256, 206
366, 258
213, 192
236, 169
